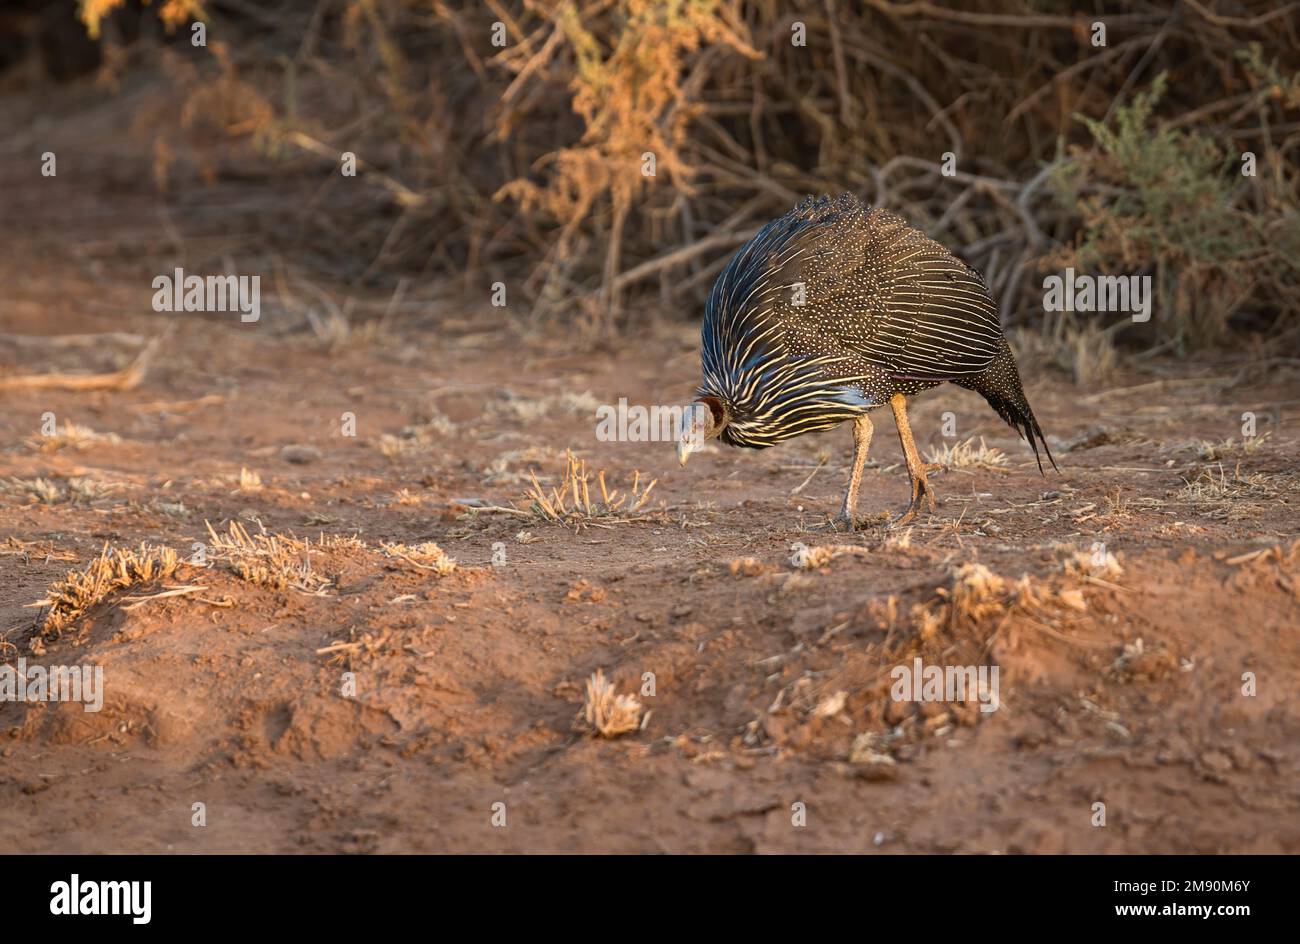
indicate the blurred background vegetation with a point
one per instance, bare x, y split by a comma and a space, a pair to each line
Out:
523, 162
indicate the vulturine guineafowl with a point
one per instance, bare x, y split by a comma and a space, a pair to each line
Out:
836, 309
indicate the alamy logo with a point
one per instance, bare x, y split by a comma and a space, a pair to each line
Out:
102, 898
921, 682
1102, 293
181, 292
637, 423
83, 683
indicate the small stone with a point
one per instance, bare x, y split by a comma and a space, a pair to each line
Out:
1242, 759
300, 455
875, 767
1217, 761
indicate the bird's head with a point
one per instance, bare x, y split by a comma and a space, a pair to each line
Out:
701, 421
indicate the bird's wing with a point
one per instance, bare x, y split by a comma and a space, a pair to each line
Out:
894, 296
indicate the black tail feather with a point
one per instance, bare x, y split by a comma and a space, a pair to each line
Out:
1021, 418
1000, 386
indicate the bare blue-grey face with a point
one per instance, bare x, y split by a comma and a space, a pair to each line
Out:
700, 421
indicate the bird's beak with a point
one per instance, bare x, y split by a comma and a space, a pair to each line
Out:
697, 426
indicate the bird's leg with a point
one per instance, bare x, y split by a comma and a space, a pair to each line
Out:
862, 430
916, 469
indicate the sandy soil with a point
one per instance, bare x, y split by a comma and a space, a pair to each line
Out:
772, 684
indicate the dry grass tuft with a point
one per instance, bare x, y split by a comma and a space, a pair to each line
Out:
831, 705
869, 751
748, 567
347, 542
571, 502
1213, 452
427, 556
1211, 489
53, 492
395, 446
1285, 557
268, 560
14, 547
1098, 562
812, 558
419, 438
965, 455
111, 572
608, 714
72, 436
1087, 353
980, 600
977, 593
897, 540
532, 409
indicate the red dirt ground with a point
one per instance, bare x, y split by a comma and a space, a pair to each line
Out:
468, 685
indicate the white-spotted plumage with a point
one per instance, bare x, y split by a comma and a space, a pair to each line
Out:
834, 308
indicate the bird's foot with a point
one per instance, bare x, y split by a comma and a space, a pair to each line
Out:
922, 498
841, 522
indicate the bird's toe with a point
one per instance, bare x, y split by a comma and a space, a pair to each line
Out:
922, 500
905, 517
841, 522
927, 493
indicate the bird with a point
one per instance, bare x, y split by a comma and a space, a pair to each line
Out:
837, 309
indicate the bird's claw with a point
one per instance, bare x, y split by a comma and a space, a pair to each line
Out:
841, 522
922, 497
